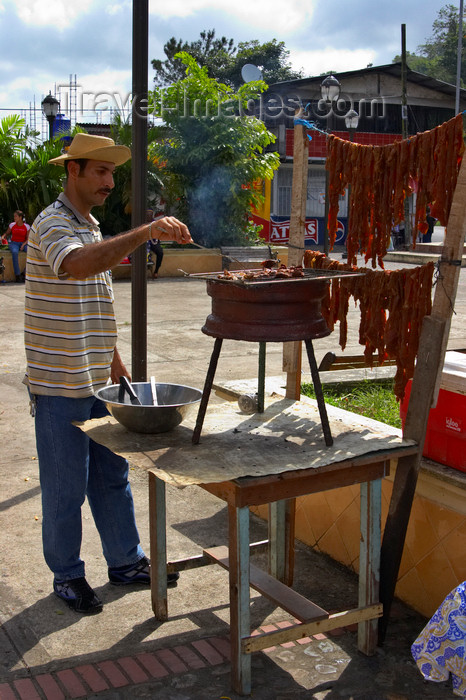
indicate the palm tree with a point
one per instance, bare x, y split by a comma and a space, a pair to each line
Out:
13, 136
27, 181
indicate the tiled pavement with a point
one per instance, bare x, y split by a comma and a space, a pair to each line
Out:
192, 671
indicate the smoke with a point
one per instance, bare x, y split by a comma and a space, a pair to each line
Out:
215, 212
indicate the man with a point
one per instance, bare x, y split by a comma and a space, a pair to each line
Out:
154, 247
70, 340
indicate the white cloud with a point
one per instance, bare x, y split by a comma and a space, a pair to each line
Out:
317, 62
115, 8
260, 15
56, 13
106, 90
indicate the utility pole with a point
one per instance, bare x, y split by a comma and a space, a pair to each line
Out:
459, 56
404, 120
139, 188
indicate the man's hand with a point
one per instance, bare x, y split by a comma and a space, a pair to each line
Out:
92, 259
118, 369
170, 229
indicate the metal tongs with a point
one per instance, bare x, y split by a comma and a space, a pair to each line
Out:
125, 385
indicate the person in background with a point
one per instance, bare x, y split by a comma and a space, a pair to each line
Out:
70, 341
431, 221
154, 247
17, 234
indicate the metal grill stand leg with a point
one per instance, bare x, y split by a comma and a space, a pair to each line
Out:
209, 380
261, 378
319, 393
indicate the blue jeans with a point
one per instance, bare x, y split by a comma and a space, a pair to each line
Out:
71, 467
14, 247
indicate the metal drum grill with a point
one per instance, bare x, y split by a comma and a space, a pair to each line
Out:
261, 308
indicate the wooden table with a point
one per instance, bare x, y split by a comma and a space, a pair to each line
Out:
279, 491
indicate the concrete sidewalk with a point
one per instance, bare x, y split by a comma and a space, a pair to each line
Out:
48, 651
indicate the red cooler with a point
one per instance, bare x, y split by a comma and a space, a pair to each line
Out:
446, 429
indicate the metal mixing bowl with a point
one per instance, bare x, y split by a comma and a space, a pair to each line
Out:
175, 401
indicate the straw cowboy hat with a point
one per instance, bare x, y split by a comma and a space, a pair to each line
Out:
94, 148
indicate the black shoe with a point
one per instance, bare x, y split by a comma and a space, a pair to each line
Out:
136, 573
77, 593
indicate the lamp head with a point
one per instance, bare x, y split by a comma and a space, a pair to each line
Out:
50, 106
330, 88
351, 119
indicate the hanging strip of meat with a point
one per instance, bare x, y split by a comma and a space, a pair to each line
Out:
392, 306
381, 177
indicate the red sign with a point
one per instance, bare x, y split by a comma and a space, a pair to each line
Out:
280, 231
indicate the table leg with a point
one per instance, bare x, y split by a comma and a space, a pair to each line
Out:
240, 625
158, 547
369, 561
209, 380
281, 540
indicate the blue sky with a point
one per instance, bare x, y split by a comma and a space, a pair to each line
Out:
43, 42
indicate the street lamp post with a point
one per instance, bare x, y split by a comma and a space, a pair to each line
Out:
351, 123
330, 89
50, 107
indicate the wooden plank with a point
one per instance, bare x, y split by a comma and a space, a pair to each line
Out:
267, 585
292, 362
369, 560
290, 634
281, 527
292, 351
199, 560
298, 195
240, 625
277, 544
426, 380
259, 491
158, 547
330, 361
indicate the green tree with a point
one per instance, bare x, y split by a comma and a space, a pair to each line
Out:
206, 51
213, 155
223, 60
437, 57
441, 48
272, 58
420, 64
27, 181
13, 136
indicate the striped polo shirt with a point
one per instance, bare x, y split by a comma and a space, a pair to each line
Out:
70, 328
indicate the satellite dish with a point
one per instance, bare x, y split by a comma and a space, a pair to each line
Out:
250, 72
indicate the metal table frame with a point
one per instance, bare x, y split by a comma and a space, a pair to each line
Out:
279, 492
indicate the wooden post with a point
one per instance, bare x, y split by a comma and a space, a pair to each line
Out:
158, 546
369, 560
281, 526
240, 625
292, 351
426, 380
